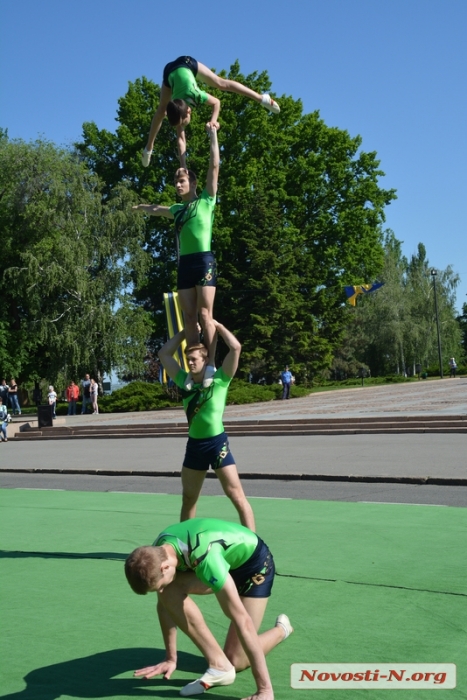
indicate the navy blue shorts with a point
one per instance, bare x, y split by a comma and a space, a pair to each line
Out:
201, 453
197, 270
255, 577
181, 61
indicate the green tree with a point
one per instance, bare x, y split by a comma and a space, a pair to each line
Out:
462, 321
399, 322
70, 260
299, 215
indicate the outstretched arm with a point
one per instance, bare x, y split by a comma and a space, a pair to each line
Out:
169, 633
214, 162
233, 608
166, 354
154, 210
232, 358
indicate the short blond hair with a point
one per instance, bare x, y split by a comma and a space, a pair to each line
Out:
200, 347
143, 568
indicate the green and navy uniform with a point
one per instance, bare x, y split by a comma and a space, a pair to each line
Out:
193, 227
194, 223
180, 76
208, 444
214, 548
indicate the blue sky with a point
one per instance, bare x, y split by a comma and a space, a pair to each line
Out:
392, 71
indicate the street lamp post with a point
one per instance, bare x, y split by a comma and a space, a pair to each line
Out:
433, 275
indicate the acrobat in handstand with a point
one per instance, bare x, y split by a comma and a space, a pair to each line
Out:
180, 92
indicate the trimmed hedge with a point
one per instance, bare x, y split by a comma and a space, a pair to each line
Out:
137, 396
243, 392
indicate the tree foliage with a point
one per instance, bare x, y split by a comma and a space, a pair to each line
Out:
71, 255
299, 215
462, 320
396, 325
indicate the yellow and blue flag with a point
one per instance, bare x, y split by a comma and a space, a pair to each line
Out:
355, 290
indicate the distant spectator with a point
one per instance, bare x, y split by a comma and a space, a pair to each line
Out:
452, 367
286, 378
86, 384
94, 390
4, 392
72, 393
3, 421
13, 396
52, 399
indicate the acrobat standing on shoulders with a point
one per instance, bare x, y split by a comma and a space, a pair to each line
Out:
204, 403
180, 93
197, 278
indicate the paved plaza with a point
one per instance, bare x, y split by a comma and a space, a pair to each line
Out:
418, 456
444, 397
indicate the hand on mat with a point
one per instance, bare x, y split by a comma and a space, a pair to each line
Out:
164, 668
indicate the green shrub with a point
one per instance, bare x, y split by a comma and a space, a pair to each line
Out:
433, 370
243, 392
137, 396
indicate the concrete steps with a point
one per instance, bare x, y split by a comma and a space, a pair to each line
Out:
279, 427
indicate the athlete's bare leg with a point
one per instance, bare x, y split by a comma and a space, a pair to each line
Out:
230, 481
215, 81
226, 85
188, 302
192, 483
256, 608
205, 303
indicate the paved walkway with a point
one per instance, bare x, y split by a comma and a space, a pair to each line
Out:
444, 397
416, 455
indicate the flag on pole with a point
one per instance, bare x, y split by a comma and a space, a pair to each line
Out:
353, 291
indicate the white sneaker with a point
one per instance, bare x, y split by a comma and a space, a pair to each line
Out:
270, 104
284, 622
146, 157
211, 678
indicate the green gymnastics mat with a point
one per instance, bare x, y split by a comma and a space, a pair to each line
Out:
361, 583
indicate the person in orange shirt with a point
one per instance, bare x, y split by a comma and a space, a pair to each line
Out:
72, 393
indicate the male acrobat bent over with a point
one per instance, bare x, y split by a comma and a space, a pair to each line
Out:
202, 556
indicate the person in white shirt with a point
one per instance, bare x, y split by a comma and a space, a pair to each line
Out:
3, 421
94, 391
52, 397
